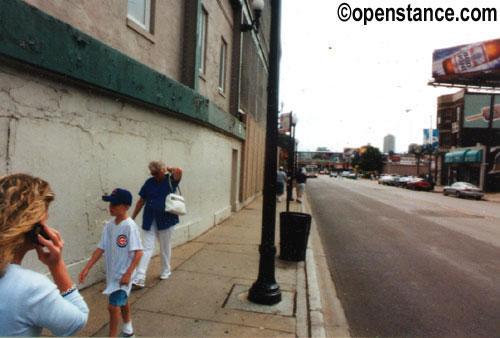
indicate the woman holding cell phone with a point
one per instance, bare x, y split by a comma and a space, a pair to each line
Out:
29, 300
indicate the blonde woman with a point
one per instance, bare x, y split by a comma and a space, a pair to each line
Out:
29, 300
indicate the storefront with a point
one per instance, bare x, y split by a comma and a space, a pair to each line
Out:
465, 165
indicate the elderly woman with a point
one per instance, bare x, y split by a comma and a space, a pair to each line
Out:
29, 300
156, 222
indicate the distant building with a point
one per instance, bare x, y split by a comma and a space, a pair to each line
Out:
328, 160
389, 143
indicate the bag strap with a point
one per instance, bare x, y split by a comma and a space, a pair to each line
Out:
170, 184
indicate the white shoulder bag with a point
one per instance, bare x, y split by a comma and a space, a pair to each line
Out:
174, 203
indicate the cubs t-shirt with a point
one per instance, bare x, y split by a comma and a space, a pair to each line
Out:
119, 242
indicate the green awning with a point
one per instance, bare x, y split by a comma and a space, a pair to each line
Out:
455, 156
474, 156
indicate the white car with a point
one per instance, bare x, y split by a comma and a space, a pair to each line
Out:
388, 179
463, 189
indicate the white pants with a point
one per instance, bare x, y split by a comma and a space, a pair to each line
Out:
148, 241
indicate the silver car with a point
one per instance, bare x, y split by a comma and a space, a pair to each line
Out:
463, 189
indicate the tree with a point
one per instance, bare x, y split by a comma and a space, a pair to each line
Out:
371, 159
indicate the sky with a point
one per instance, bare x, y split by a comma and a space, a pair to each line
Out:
351, 84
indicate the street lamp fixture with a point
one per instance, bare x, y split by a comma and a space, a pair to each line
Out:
257, 7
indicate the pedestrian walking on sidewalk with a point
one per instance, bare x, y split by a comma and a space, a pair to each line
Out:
121, 245
301, 184
280, 183
156, 222
29, 300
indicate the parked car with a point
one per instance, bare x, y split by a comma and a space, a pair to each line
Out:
352, 176
403, 181
345, 174
390, 179
419, 184
333, 174
463, 189
384, 179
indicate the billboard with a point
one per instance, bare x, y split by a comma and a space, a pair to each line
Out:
477, 111
466, 59
435, 138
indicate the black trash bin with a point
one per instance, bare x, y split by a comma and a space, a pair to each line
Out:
294, 233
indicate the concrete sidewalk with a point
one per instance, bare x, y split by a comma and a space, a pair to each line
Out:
206, 294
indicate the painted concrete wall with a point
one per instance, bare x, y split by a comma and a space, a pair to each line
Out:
85, 144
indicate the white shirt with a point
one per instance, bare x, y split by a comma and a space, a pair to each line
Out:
119, 243
29, 302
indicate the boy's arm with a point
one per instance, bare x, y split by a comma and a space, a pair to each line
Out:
95, 257
125, 280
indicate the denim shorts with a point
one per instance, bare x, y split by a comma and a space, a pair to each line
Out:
118, 298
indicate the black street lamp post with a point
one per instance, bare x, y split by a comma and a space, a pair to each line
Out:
266, 290
291, 162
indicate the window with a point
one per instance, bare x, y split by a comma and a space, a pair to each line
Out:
222, 66
203, 39
140, 12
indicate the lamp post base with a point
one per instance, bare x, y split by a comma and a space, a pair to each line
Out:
265, 293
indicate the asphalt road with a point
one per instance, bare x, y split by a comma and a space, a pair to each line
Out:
409, 263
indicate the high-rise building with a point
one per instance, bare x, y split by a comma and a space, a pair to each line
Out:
389, 143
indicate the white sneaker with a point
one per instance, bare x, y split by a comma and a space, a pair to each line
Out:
140, 283
165, 275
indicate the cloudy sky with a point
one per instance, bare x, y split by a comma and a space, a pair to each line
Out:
352, 84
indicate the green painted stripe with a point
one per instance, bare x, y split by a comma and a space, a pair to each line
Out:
32, 36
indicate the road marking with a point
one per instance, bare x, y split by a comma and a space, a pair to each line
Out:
467, 213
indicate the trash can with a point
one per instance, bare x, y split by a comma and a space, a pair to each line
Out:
294, 233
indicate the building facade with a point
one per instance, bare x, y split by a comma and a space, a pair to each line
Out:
468, 142
91, 91
389, 143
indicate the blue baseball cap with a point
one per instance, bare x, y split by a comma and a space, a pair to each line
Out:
119, 196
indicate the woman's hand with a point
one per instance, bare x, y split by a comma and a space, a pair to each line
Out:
55, 246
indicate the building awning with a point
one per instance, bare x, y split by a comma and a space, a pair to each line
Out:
464, 156
474, 156
455, 156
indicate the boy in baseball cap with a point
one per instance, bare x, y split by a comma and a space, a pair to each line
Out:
121, 244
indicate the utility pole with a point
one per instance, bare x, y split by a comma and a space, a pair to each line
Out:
489, 142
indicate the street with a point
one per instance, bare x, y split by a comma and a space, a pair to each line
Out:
409, 263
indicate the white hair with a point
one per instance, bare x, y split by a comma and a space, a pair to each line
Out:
157, 165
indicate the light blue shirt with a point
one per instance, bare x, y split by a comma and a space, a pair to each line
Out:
29, 302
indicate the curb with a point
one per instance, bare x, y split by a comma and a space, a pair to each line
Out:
315, 306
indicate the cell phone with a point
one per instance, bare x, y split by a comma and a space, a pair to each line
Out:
37, 229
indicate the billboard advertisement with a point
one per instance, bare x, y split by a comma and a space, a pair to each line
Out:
477, 111
466, 59
435, 138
